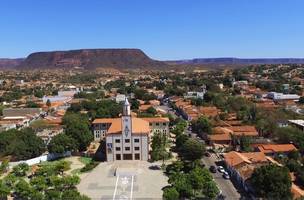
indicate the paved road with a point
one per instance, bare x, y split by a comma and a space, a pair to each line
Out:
227, 188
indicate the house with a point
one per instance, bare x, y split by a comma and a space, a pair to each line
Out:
274, 149
298, 123
241, 165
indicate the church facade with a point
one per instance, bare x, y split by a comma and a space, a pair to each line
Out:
128, 137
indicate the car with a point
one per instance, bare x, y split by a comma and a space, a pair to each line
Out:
155, 167
212, 169
221, 169
226, 175
207, 154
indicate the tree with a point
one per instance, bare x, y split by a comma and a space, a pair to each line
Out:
201, 126
272, 182
77, 127
31, 104
210, 190
4, 190
4, 166
180, 141
134, 104
152, 110
192, 150
73, 194
159, 144
245, 142
20, 169
170, 193
62, 143
21, 144
181, 183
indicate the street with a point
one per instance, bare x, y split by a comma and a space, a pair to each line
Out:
226, 186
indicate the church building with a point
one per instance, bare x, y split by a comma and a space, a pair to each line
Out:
128, 137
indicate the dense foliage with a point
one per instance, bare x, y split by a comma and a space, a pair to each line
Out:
272, 182
21, 144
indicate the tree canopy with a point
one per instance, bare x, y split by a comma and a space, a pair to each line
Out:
272, 182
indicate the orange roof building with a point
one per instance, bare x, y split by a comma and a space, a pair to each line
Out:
127, 137
276, 148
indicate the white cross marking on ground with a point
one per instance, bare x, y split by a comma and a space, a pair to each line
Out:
115, 187
131, 196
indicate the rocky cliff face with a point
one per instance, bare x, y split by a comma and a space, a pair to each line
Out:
91, 59
7, 63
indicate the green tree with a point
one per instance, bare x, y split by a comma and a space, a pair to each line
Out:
170, 193
62, 143
272, 182
192, 150
4, 166
201, 126
159, 144
20, 169
134, 104
152, 110
181, 183
73, 194
77, 128
245, 142
4, 190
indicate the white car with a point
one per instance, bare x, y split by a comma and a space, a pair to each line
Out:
226, 175
221, 169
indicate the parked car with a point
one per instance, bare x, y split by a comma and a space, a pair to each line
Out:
221, 169
212, 169
226, 175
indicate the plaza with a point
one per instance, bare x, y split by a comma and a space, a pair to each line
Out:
123, 180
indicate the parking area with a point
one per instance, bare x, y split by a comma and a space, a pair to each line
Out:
123, 180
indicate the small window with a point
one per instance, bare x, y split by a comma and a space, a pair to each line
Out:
157, 124
136, 148
150, 124
117, 148
164, 124
136, 140
117, 140
127, 140
127, 148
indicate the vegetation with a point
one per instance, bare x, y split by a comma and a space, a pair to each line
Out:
62, 143
159, 145
20, 144
48, 182
272, 182
194, 182
77, 128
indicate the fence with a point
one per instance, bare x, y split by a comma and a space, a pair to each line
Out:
48, 157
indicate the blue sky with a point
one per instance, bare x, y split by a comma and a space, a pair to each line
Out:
164, 29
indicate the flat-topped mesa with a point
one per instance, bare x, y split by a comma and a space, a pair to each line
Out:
91, 59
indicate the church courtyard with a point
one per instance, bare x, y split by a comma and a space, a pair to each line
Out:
124, 180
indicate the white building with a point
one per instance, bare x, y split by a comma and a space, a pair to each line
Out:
120, 98
127, 138
281, 96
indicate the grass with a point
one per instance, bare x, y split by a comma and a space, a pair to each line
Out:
76, 171
85, 160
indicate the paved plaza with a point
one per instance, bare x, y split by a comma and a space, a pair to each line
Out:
123, 180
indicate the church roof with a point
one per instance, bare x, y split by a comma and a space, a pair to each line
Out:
139, 126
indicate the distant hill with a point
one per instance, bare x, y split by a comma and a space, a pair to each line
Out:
91, 59
8, 63
239, 61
